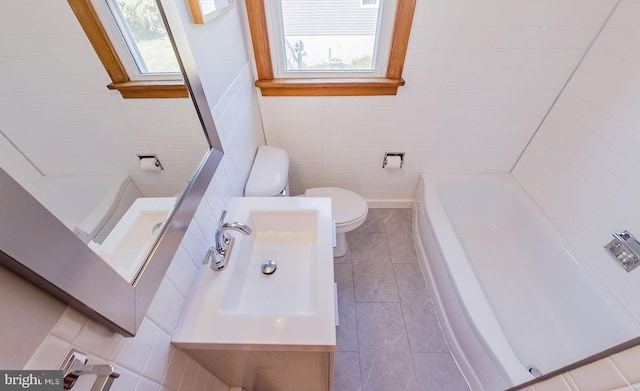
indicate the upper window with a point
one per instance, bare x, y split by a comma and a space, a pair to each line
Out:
369, 3
330, 47
131, 40
338, 37
137, 24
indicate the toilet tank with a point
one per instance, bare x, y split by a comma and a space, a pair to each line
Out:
269, 173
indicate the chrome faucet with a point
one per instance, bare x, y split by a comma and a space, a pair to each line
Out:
76, 365
224, 242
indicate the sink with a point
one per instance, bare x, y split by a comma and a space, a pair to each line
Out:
126, 247
292, 306
289, 238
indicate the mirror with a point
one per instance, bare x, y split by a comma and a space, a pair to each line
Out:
206, 10
47, 227
110, 203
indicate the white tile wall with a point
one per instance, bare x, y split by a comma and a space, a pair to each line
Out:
480, 76
16, 165
619, 372
54, 105
149, 361
582, 169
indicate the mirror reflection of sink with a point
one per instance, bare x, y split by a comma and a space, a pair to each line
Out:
128, 244
289, 238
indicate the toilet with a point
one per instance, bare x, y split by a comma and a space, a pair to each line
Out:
269, 178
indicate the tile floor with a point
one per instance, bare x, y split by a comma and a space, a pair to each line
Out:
389, 338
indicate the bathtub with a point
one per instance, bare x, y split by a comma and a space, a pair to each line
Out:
89, 205
509, 291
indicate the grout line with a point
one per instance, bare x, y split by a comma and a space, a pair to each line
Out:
355, 309
553, 104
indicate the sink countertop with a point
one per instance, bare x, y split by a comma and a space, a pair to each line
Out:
208, 323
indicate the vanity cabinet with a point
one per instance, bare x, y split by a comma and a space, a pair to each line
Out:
269, 368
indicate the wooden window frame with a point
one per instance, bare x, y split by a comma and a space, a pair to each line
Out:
120, 80
271, 86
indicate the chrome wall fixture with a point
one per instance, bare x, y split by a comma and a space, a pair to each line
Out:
625, 248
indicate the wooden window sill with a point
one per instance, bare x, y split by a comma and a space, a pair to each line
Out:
151, 89
329, 87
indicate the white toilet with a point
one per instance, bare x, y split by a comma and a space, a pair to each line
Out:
269, 176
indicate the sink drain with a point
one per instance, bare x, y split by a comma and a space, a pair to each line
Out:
269, 267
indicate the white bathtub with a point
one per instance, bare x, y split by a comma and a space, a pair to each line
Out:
89, 205
509, 291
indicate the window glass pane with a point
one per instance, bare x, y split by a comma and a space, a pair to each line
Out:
146, 36
329, 35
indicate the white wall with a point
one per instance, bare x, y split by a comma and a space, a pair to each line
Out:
582, 169
480, 76
56, 108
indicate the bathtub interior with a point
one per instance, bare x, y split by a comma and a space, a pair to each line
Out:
550, 308
90, 206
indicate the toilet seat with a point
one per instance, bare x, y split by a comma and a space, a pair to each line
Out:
348, 209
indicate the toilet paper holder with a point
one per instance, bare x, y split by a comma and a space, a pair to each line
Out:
396, 154
156, 161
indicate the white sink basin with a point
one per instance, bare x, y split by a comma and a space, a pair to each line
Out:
127, 245
289, 238
293, 306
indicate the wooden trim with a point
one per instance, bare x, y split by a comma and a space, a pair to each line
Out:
151, 89
400, 40
260, 38
329, 87
196, 11
99, 39
93, 28
388, 85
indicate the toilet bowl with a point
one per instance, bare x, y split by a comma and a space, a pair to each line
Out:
269, 178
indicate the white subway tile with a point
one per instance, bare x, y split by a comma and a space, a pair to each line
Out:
557, 383
627, 362
600, 375
146, 385
174, 310
136, 351
625, 17
126, 382
50, 354
176, 369
182, 270
216, 384
202, 380
165, 295
190, 376
97, 340
70, 324
194, 243
159, 358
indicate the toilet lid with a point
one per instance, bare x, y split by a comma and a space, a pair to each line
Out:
346, 205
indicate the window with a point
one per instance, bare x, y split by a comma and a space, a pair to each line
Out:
329, 36
330, 47
130, 39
